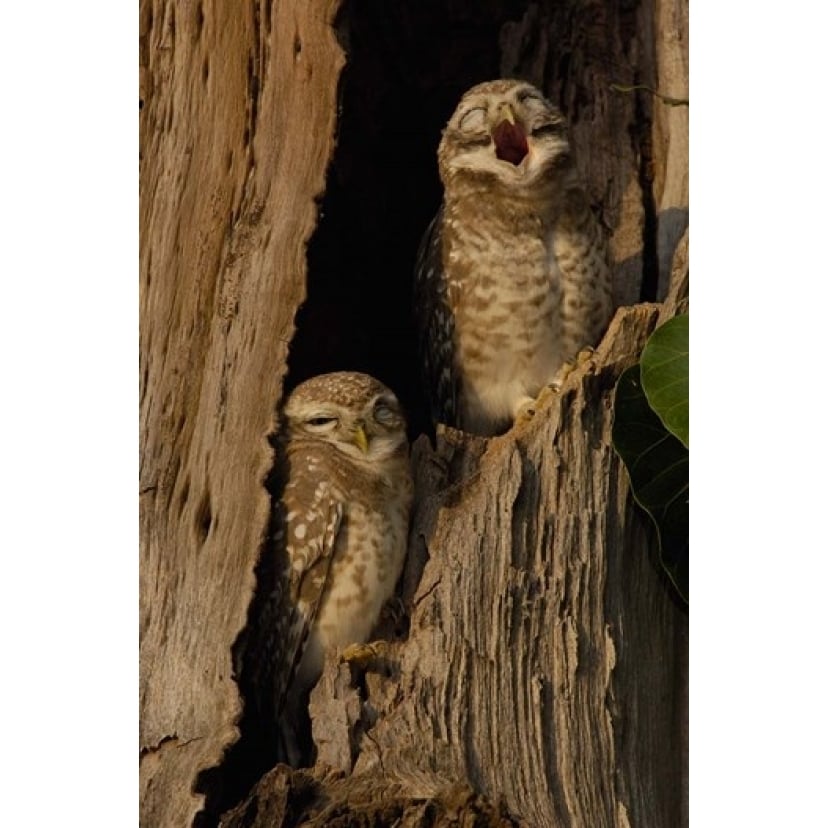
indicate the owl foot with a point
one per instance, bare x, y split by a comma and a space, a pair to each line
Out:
582, 357
524, 409
365, 655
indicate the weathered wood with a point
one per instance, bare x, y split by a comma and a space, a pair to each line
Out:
671, 134
328, 799
237, 126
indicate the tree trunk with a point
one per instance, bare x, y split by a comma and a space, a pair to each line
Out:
538, 673
227, 206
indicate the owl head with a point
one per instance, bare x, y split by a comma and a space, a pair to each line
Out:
353, 412
505, 132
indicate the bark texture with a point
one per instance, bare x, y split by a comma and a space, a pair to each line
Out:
537, 675
228, 188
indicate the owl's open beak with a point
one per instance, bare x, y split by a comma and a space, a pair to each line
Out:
505, 113
361, 439
509, 137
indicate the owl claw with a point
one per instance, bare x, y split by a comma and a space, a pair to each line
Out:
560, 378
365, 655
581, 358
584, 355
525, 409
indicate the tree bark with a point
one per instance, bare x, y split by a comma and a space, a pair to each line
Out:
538, 673
228, 190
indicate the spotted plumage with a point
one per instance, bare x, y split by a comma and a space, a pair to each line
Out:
512, 278
341, 532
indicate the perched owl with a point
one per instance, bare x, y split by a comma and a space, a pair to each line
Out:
512, 276
342, 524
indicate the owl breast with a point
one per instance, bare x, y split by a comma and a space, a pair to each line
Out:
368, 559
506, 305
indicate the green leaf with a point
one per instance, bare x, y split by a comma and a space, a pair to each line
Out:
665, 375
658, 465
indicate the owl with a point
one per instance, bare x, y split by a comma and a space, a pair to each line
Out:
512, 278
341, 531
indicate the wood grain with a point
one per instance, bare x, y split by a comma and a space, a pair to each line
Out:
230, 170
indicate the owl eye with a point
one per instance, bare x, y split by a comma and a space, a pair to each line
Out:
474, 120
529, 94
384, 414
321, 422
548, 129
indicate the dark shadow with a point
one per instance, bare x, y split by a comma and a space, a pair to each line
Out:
672, 223
408, 65
260, 744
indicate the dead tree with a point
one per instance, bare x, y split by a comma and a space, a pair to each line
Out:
539, 676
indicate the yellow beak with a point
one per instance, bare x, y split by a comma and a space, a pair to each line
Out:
504, 113
361, 439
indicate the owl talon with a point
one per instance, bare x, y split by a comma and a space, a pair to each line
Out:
563, 373
584, 355
545, 393
581, 358
364, 655
525, 409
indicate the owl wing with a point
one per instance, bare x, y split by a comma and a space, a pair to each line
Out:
435, 326
310, 539
291, 590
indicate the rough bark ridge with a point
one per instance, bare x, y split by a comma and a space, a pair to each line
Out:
227, 207
540, 676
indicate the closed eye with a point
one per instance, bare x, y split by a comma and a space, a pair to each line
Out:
384, 414
473, 120
320, 422
529, 95
482, 141
548, 129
